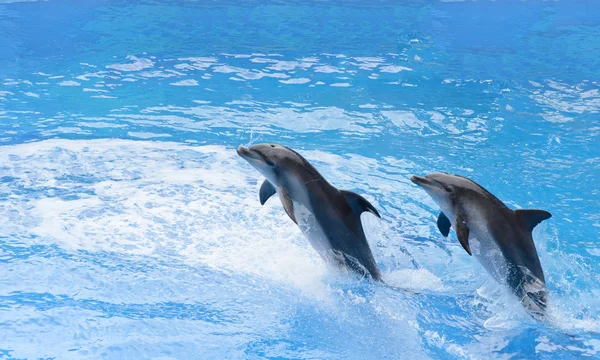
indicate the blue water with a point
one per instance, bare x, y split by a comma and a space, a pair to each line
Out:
129, 227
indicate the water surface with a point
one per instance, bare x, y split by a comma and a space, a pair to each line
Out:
129, 227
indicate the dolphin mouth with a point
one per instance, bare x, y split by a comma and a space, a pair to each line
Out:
421, 180
247, 153
425, 182
253, 155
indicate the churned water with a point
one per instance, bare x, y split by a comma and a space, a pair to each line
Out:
129, 227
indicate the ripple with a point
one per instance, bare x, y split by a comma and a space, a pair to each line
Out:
147, 135
137, 64
394, 69
295, 81
69, 83
188, 82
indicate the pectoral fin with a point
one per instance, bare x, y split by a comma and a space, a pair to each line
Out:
287, 203
462, 232
443, 224
266, 191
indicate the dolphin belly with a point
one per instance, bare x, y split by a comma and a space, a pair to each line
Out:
312, 230
484, 247
489, 255
529, 289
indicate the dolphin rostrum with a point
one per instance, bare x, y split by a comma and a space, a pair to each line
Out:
500, 238
328, 217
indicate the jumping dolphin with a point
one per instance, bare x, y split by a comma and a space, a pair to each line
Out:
500, 238
328, 217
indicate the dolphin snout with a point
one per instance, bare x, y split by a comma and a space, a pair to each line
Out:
243, 152
250, 155
420, 180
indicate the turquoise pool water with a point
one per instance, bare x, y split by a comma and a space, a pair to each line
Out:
129, 227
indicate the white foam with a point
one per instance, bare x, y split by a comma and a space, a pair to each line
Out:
282, 65
295, 81
100, 125
308, 120
137, 64
97, 74
247, 74
94, 90
557, 118
197, 205
415, 279
367, 106
147, 135
394, 69
262, 60
158, 74
201, 59
144, 207
367, 63
69, 83
161, 199
228, 69
188, 82
562, 98
327, 69
404, 118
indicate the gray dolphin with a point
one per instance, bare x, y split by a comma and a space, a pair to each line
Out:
328, 217
500, 237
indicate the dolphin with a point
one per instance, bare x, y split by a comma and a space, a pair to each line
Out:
500, 238
329, 218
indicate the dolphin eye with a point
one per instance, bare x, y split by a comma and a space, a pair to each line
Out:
448, 188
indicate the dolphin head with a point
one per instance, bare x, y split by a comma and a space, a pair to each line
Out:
269, 159
443, 188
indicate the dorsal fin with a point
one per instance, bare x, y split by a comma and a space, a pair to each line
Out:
266, 191
358, 203
530, 218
